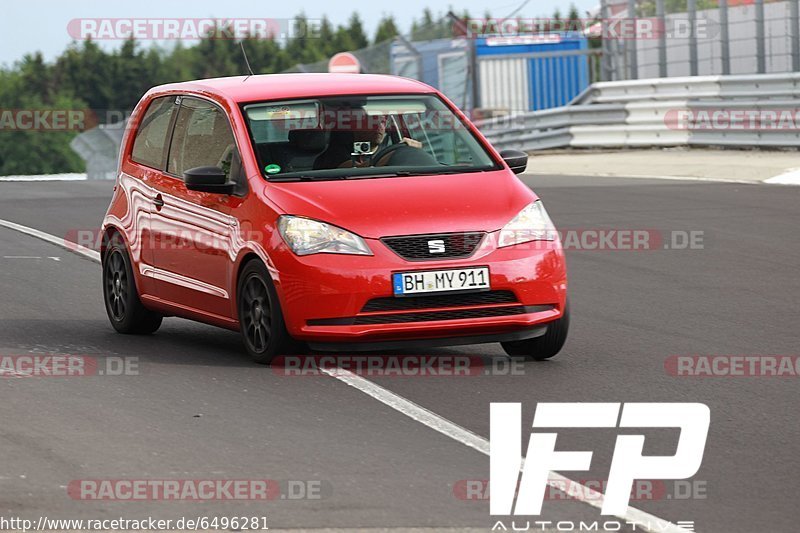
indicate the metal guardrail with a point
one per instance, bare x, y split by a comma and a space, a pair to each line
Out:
659, 112
560, 117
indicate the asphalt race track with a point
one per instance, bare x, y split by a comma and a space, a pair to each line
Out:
199, 409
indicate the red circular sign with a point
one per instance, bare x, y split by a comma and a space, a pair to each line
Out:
344, 62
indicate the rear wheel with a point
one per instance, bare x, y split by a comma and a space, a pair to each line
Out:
544, 347
124, 308
260, 316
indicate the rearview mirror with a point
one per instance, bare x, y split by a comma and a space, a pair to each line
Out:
208, 179
516, 160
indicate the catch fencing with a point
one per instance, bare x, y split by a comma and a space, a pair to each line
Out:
736, 111
700, 37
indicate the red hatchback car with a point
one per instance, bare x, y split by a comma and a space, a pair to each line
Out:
330, 211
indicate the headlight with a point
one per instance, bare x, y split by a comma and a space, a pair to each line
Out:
306, 236
531, 224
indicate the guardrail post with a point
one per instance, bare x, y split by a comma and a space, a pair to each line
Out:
794, 31
472, 50
633, 43
724, 37
416, 53
474, 71
662, 39
605, 60
761, 60
692, 12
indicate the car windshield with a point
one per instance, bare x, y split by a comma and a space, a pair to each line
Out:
362, 136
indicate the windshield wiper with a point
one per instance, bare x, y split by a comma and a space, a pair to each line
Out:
391, 174
404, 173
281, 179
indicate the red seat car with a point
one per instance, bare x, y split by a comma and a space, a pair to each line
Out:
330, 211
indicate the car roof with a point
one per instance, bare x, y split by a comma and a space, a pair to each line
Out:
240, 89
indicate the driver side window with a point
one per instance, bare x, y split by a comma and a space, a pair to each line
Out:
202, 138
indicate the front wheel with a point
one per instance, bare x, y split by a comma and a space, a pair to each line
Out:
544, 347
124, 308
260, 316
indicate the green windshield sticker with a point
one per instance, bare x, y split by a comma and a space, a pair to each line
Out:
272, 169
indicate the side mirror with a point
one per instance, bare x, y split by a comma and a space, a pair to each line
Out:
208, 179
516, 160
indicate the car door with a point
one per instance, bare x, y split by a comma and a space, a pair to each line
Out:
192, 231
146, 164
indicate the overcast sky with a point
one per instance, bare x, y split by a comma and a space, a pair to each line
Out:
30, 25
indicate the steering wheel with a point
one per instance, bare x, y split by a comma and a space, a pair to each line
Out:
380, 154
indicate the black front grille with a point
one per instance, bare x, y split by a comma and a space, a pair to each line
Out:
439, 315
428, 316
440, 300
435, 246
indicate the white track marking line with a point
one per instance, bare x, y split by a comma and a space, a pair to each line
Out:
45, 177
790, 177
83, 251
645, 521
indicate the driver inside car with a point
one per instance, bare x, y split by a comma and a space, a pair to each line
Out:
363, 142
367, 141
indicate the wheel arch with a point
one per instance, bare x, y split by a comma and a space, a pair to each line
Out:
246, 256
107, 233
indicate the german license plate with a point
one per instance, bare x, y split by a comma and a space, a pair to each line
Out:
421, 282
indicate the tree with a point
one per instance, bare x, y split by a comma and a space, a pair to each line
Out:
427, 28
387, 29
355, 29
129, 76
84, 72
87, 76
35, 76
573, 19
327, 38
303, 48
39, 151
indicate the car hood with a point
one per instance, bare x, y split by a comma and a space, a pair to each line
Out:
408, 205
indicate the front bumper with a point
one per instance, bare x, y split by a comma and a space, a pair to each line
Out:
323, 296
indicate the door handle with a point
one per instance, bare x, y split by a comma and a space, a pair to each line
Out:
158, 201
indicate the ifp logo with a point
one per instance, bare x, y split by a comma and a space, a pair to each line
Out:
627, 463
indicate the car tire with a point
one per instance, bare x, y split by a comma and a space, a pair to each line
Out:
544, 347
261, 320
123, 306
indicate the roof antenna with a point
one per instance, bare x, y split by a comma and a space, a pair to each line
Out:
246, 61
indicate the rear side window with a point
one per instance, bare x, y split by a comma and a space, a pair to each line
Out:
202, 138
151, 139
